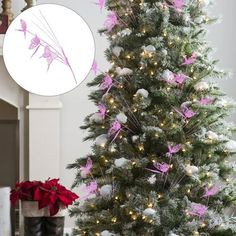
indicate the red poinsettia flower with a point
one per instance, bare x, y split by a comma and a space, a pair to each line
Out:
54, 195
48, 194
24, 191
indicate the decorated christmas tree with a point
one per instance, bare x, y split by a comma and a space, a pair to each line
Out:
161, 163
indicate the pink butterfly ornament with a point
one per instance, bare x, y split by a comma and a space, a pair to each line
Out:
85, 170
111, 21
90, 189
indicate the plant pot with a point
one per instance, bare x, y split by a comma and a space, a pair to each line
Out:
38, 222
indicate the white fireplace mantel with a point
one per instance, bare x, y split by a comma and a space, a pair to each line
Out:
44, 137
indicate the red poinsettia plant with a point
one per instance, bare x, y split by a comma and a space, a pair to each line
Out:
49, 194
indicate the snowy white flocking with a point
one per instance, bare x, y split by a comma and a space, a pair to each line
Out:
231, 145
172, 234
125, 32
191, 170
204, 3
101, 140
121, 117
96, 117
123, 71
152, 179
134, 138
121, 162
201, 86
106, 190
149, 49
149, 212
143, 92
168, 75
212, 135
117, 50
106, 233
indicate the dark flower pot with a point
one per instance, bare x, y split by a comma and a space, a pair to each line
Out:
54, 226
34, 226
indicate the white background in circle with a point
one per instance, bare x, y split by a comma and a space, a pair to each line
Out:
31, 73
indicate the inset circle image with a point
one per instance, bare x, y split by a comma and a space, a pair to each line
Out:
48, 49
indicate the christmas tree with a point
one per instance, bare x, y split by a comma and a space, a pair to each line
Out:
162, 156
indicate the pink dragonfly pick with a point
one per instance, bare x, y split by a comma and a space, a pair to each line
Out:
101, 4
160, 168
107, 83
95, 67
206, 101
49, 55
190, 60
173, 149
114, 129
85, 170
209, 192
198, 209
111, 21
90, 189
102, 111
23, 27
35, 43
185, 112
178, 4
180, 78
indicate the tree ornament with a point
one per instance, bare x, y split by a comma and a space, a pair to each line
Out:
191, 170
95, 67
121, 162
201, 86
173, 150
198, 209
142, 92
189, 60
101, 140
85, 170
123, 71
160, 168
106, 190
206, 101
211, 191
117, 50
111, 21
149, 212
122, 118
